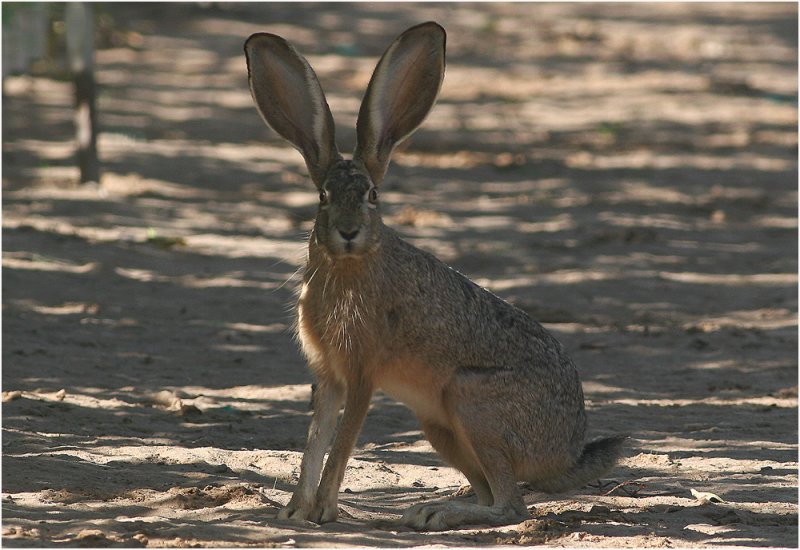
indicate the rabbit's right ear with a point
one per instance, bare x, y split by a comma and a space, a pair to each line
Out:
402, 90
290, 99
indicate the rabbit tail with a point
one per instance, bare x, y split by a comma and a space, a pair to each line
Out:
597, 458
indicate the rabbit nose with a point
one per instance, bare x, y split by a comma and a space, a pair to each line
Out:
348, 235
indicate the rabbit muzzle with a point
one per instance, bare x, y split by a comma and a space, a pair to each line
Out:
348, 242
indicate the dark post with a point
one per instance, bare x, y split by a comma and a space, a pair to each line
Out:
79, 20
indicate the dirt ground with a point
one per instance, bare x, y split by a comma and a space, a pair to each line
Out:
627, 174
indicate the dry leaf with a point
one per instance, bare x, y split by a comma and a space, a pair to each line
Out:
708, 497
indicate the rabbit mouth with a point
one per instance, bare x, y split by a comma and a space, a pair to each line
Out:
344, 257
351, 244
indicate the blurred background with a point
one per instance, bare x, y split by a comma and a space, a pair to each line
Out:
626, 173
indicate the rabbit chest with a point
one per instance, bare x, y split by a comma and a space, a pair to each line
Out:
336, 327
353, 330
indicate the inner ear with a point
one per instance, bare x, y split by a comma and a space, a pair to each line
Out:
290, 99
400, 94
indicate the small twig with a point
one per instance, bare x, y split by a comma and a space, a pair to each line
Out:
600, 485
623, 486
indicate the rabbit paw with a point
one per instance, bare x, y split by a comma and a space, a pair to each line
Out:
324, 512
437, 516
296, 510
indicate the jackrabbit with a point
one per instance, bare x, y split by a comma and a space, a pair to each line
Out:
496, 394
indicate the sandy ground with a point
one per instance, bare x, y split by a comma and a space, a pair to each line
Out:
625, 173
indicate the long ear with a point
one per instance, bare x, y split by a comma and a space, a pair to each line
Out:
402, 91
290, 99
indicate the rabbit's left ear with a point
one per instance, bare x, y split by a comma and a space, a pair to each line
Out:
400, 94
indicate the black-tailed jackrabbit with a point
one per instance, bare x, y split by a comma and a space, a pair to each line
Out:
496, 394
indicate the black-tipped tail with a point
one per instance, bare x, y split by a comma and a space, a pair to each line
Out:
597, 458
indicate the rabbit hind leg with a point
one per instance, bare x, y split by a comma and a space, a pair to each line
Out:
507, 506
457, 455
475, 446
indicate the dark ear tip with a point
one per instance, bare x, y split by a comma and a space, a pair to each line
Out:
431, 29
437, 26
262, 39
428, 27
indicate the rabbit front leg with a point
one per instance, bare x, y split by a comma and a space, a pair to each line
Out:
359, 394
326, 403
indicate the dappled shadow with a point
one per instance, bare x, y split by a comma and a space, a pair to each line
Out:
639, 200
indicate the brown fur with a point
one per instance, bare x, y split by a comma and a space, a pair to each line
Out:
495, 393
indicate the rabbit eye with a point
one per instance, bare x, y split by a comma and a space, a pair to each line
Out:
373, 195
323, 196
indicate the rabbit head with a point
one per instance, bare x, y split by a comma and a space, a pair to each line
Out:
400, 94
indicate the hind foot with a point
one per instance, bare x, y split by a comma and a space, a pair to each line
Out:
439, 516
